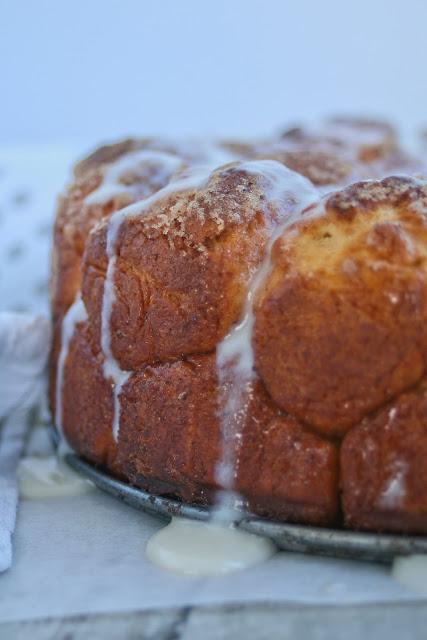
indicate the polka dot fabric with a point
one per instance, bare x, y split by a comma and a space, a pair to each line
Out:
30, 180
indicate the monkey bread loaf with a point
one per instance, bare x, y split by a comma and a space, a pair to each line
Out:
250, 317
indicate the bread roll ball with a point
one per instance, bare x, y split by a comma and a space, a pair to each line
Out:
87, 402
321, 164
383, 467
184, 262
366, 139
96, 193
341, 322
341, 151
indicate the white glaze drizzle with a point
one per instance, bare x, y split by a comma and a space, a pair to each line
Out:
49, 477
192, 178
187, 546
199, 549
234, 355
195, 151
112, 186
217, 547
109, 188
165, 164
411, 571
394, 492
111, 367
75, 314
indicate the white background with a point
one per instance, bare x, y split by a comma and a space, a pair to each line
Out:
91, 69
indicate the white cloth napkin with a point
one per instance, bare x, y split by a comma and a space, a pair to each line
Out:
11, 445
24, 347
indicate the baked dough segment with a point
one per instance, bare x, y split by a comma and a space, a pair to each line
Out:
383, 467
341, 151
107, 154
87, 402
323, 163
77, 215
76, 218
341, 323
288, 472
183, 266
368, 138
170, 442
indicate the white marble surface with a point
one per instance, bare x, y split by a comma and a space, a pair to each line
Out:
86, 554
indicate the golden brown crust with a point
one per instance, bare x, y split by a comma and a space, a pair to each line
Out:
383, 469
107, 154
296, 474
190, 151
341, 151
341, 322
183, 267
340, 332
170, 437
160, 435
77, 216
72, 225
324, 165
87, 402
365, 139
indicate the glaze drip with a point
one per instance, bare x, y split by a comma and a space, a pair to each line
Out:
288, 193
75, 315
394, 493
191, 178
199, 549
49, 477
411, 572
136, 174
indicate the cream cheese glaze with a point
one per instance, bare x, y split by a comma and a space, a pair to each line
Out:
201, 549
189, 179
286, 189
411, 571
150, 166
49, 477
292, 193
216, 547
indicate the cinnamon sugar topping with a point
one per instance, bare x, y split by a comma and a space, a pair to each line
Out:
394, 191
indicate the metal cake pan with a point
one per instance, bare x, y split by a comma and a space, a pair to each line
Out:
338, 543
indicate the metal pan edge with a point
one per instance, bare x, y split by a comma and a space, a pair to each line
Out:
338, 543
